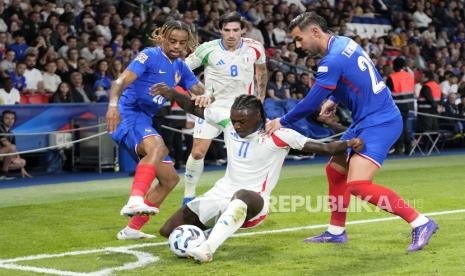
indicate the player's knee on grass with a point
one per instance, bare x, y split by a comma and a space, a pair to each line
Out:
183, 216
253, 200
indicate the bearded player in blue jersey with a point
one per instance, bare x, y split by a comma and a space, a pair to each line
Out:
129, 119
346, 75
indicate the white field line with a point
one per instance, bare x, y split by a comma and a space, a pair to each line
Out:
144, 258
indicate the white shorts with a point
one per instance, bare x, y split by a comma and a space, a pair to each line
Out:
207, 130
213, 203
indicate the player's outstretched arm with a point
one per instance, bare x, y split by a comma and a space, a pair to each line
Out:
333, 148
185, 102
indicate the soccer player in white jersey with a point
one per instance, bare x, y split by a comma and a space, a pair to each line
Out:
230, 63
241, 197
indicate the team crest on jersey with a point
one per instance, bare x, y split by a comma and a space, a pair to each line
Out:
177, 77
142, 57
245, 59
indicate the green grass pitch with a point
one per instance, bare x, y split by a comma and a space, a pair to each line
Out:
60, 218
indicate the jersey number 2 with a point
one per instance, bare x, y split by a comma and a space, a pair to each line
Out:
364, 64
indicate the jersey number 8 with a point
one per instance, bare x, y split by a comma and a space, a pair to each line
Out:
234, 71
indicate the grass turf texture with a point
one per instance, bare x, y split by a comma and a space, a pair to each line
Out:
59, 218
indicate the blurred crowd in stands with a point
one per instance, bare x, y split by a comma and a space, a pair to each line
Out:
69, 51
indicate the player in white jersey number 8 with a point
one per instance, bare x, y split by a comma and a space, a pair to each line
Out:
231, 65
240, 198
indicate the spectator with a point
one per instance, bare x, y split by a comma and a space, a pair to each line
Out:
72, 58
116, 68
78, 87
88, 74
277, 89
103, 28
63, 69
71, 43
51, 80
8, 145
92, 52
449, 85
32, 26
59, 38
34, 79
17, 77
8, 94
452, 110
65, 95
19, 46
8, 65
302, 86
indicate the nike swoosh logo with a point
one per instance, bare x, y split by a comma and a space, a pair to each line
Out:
161, 72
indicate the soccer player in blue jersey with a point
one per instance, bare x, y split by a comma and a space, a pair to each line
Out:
129, 119
346, 75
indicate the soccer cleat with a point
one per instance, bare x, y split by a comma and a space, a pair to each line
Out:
422, 234
132, 234
328, 237
201, 254
140, 209
187, 200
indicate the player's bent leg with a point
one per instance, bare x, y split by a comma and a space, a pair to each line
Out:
194, 167
244, 205
182, 216
154, 151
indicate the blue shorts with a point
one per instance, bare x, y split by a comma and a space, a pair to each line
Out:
134, 128
378, 140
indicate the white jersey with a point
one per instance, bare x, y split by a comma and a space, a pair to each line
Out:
228, 74
255, 162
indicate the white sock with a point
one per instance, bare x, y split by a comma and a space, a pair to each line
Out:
135, 200
336, 230
228, 223
419, 221
194, 169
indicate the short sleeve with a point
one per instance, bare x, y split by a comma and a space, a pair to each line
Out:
286, 137
188, 78
329, 71
200, 55
139, 64
260, 52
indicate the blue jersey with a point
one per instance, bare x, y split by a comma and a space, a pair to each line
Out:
350, 77
152, 66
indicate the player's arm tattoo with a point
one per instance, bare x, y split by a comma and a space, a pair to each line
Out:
332, 148
261, 75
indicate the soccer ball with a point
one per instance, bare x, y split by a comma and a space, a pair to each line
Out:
185, 237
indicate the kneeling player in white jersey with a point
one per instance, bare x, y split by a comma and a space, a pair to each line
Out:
229, 64
241, 197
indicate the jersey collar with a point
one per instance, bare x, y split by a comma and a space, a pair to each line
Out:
161, 50
330, 42
220, 42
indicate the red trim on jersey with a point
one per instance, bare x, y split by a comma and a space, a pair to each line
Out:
250, 89
278, 141
351, 85
257, 52
264, 183
327, 86
253, 223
